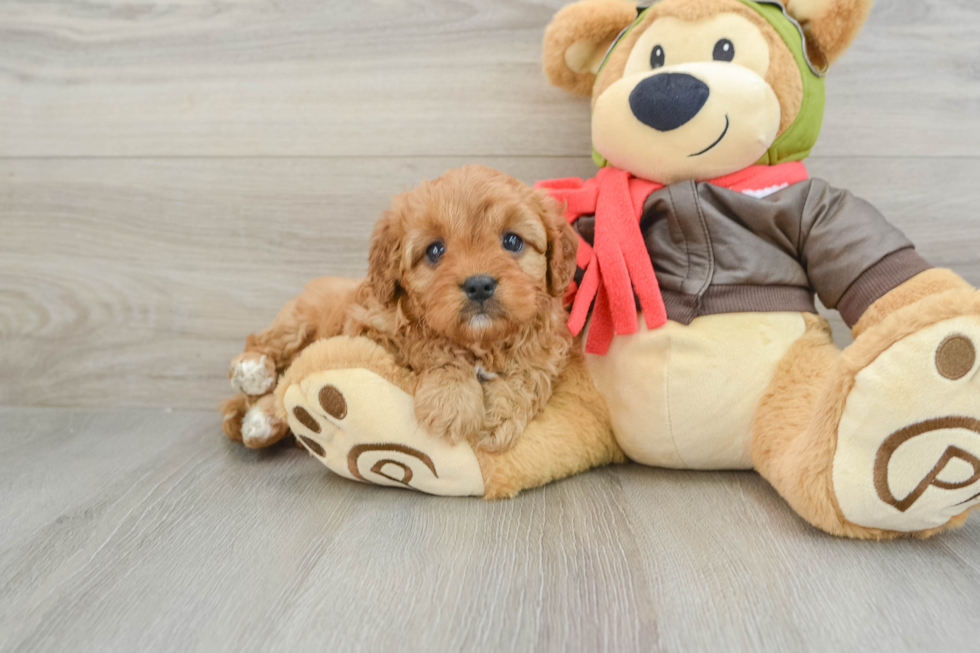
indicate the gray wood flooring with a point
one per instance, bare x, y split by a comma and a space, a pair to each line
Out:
172, 172
139, 530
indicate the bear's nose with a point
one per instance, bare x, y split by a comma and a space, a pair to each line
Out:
668, 100
480, 287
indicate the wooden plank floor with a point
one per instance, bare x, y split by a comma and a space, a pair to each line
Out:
172, 172
138, 530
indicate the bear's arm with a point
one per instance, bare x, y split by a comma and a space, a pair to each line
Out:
851, 253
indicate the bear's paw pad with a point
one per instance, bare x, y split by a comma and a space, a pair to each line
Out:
363, 427
908, 445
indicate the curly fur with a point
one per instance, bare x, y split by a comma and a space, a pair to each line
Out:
418, 312
572, 433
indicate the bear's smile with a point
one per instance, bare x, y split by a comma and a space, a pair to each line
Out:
728, 124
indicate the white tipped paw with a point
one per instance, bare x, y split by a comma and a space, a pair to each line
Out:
908, 444
252, 374
260, 428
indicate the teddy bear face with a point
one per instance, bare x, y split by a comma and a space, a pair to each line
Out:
698, 89
694, 94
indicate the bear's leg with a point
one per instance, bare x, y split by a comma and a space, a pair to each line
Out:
317, 312
788, 449
882, 440
352, 407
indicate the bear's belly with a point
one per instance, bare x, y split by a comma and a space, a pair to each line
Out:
685, 396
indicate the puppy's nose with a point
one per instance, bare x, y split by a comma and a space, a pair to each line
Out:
479, 287
668, 100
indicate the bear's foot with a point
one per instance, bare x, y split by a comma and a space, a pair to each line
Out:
342, 403
908, 441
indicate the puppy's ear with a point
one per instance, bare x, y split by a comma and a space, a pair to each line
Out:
830, 25
577, 39
384, 259
562, 248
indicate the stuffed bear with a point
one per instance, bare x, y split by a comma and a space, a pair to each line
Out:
703, 244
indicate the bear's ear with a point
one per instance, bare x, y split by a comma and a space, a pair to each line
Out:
577, 39
830, 25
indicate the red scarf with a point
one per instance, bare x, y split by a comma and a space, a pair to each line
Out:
619, 265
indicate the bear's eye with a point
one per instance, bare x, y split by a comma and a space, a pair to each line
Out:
512, 242
657, 57
434, 252
724, 50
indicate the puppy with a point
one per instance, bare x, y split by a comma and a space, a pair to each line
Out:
465, 280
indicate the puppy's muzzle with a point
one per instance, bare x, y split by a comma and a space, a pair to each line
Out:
668, 100
479, 288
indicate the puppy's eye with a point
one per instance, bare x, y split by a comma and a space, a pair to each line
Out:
434, 252
724, 50
512, 242
657, 57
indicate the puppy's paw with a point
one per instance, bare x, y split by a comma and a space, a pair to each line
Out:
455, 423
253, 424
260, 426
450, 409
500, 437
252, 374
233, 412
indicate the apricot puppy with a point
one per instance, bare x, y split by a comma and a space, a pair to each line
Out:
465, 280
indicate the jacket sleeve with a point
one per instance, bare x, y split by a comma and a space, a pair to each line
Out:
851, 254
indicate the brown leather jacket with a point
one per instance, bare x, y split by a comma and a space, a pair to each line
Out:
717, 250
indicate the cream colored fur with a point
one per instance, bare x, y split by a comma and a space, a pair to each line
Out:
684, 396
366, 429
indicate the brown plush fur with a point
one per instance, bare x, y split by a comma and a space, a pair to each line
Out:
830, 25
596, 22
795, 432
799, 466
418, 311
